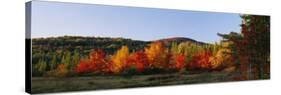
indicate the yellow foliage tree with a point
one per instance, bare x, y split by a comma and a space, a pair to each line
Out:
156, 55
221, 58
119, 59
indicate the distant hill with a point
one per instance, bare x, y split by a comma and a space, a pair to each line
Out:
168, 41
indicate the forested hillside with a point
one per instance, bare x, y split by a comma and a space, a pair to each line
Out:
48, 53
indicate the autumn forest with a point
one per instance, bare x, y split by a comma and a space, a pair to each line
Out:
240, 55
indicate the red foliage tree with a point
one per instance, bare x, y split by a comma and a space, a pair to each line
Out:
200, 60
97, 63
179, 61
83, 67
139, 59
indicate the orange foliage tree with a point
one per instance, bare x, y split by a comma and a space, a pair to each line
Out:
60, 70
156, 55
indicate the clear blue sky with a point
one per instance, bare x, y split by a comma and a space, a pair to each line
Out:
58, 19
